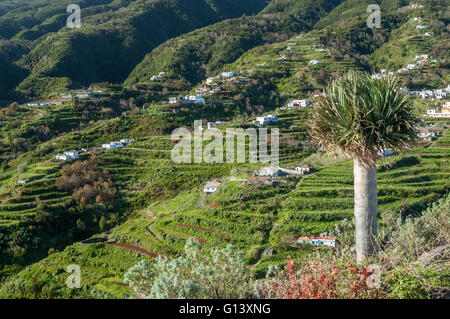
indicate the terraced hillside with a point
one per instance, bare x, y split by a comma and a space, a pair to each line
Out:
252, 216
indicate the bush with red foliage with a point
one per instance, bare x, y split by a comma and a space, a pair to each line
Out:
317, 279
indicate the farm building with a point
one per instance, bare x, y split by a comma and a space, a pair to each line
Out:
174, 100
83, 94
211, 187
193, 99
303, 169
271, 171
266, 120
300, 103
228, 75
112, 145
68, 155
317, 241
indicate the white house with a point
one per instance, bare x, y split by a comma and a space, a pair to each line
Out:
440, 94
68, 155
113, 145
210, 80
156, 78
418, 19
323, 241
300, 103
429, 34
271, 171
266, 120
211, 187
125, 142
422, 27
303, 169
83, 94
426, 134
426, 93
193, 99
22, 181
174, 100
314, 62
317, 241
433, 113
228, 75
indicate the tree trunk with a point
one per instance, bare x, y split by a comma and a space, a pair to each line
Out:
366, 204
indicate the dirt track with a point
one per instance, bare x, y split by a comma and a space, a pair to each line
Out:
136, 248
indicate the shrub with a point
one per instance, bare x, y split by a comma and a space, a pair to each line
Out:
197, 274
319, 279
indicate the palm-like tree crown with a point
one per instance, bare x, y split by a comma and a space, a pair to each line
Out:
358, 116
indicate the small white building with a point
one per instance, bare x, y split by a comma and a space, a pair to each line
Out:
68, 155
125, 142
422, 26
210, 80
83, 94
211, 187
113, 145
429, 34
426, 134
317, 241
300, 103
266, 120
174, 100
433, 113
193, 99
314, 62
23, 181
303, 169
156, 78
228, 75
323, 241
271, 171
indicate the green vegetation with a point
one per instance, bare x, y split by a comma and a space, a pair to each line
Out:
142, 203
